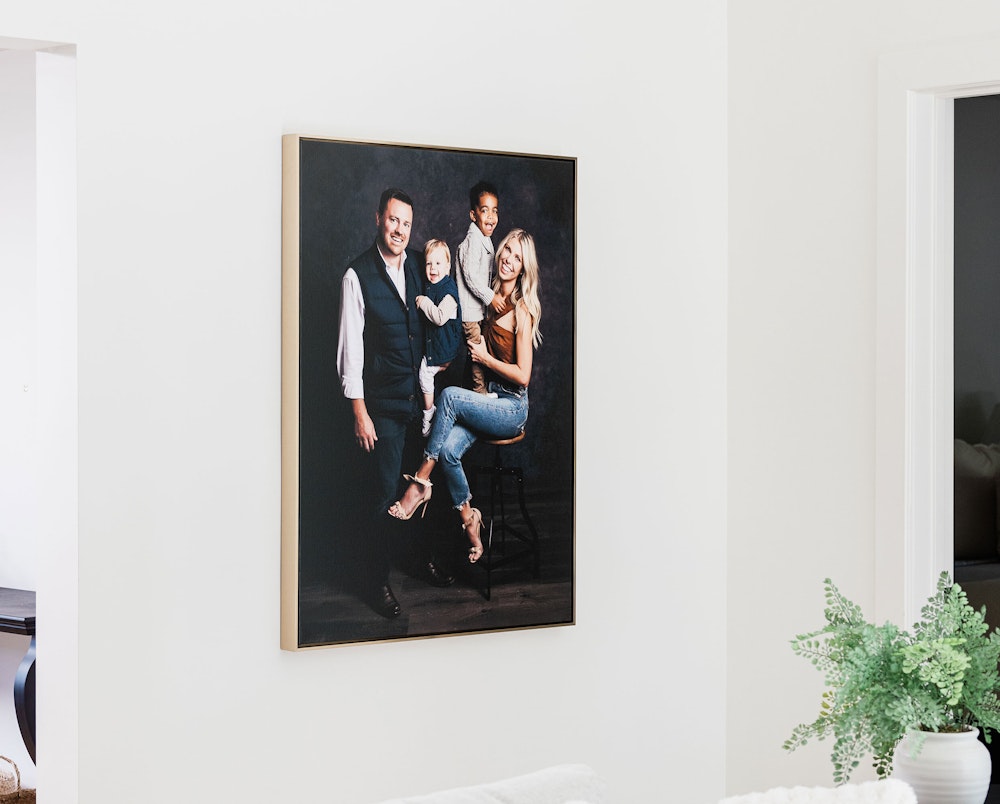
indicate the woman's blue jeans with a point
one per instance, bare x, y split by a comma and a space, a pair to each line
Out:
462, 416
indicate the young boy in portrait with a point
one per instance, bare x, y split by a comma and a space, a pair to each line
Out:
474, 269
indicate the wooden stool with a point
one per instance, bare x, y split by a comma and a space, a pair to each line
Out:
499, 524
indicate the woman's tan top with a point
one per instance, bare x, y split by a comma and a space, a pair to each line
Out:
502, 344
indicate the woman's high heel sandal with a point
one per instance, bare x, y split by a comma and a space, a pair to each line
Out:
397, 510
474, 521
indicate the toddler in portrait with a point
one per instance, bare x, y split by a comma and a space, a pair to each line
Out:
439, 304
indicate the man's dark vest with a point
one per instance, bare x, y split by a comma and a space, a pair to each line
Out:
442, 343
393, 336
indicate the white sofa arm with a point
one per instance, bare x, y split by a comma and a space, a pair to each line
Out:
560, 784
887, 791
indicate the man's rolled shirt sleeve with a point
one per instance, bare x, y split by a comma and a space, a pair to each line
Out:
351, 345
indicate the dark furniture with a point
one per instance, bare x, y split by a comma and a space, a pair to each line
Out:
977, 544
498, 522
977, 525
17, 616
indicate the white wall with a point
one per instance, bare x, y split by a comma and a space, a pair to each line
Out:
38, 400
58, 431
18, 305
18, 369
802, 333
182, 685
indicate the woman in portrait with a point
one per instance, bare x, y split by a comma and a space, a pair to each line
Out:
505, 352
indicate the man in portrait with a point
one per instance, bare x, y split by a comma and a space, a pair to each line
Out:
378, 356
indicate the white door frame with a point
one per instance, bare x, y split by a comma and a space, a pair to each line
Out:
56, 398
914, 414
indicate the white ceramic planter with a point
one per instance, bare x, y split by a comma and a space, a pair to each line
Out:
949, 769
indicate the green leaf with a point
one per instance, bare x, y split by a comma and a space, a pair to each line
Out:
882, 681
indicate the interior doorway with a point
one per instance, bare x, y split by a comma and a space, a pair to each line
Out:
915, 328
39, 395
977, 350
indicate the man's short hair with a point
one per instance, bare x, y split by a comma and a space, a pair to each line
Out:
389, 195
482, 188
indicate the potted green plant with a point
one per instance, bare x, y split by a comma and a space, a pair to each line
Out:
884, 683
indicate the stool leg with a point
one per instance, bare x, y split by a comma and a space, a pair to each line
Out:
531, 525
497, 472
496, 490
503, 509
489, 561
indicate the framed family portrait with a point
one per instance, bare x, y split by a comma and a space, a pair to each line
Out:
428, 391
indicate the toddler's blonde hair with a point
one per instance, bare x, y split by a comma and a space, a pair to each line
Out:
433, 244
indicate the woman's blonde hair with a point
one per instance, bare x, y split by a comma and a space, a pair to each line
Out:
526, 289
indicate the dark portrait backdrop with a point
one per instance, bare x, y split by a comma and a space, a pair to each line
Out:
339, 187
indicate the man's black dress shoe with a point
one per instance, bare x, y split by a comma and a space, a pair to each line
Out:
437, 576
384, 601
